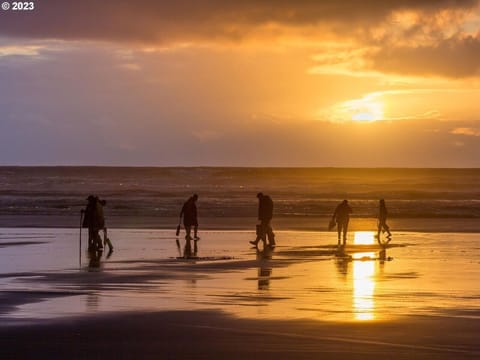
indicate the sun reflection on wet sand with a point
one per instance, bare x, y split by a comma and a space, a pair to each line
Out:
303, 277
364, 238
364, 278
364, 289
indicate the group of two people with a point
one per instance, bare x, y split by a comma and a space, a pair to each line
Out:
341, 218
264, 229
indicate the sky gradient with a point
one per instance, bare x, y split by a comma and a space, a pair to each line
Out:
246, 83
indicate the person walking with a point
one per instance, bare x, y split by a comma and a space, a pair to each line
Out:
190, 219
94, 220
342, 217
382, 221
265, 215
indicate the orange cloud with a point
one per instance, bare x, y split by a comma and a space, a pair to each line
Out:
20, 50
466, 131
456, 57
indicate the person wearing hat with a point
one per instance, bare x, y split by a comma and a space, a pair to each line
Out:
265, 215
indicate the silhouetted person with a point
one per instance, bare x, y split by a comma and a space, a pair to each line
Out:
94, 220
265, 215
382, 221
342, 216
189, 213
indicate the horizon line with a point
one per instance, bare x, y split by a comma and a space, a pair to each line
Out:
241, 167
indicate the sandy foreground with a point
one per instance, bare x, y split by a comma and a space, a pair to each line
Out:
296, 302
213, 335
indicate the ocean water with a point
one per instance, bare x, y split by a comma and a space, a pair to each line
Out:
136, 193
43, 275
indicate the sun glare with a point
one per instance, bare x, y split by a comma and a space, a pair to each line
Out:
363, 278
367, 109
364, 238
364, 289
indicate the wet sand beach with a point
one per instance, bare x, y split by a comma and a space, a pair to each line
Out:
299, 223
418, 299
214, 335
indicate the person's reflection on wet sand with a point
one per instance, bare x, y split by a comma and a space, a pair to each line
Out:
382, 256
93, 301
342, 259
94, 257
264, 270
187, 250
342, 265
264, 274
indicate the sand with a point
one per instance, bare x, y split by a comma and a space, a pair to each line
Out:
295, 302
300, 223
213, 335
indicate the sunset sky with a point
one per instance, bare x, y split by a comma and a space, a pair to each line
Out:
241, 83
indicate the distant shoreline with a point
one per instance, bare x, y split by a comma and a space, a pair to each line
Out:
237, 167
471, 225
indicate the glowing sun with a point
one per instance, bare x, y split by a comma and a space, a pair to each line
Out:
367, 110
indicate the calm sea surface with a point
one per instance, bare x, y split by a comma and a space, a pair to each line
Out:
134, 193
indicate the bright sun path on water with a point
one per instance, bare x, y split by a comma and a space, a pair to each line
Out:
364, 238
364, 278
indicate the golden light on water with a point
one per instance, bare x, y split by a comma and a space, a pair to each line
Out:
364, 278
364, 288
364, 238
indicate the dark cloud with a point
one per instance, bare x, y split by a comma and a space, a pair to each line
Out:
153, 21
455, 58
